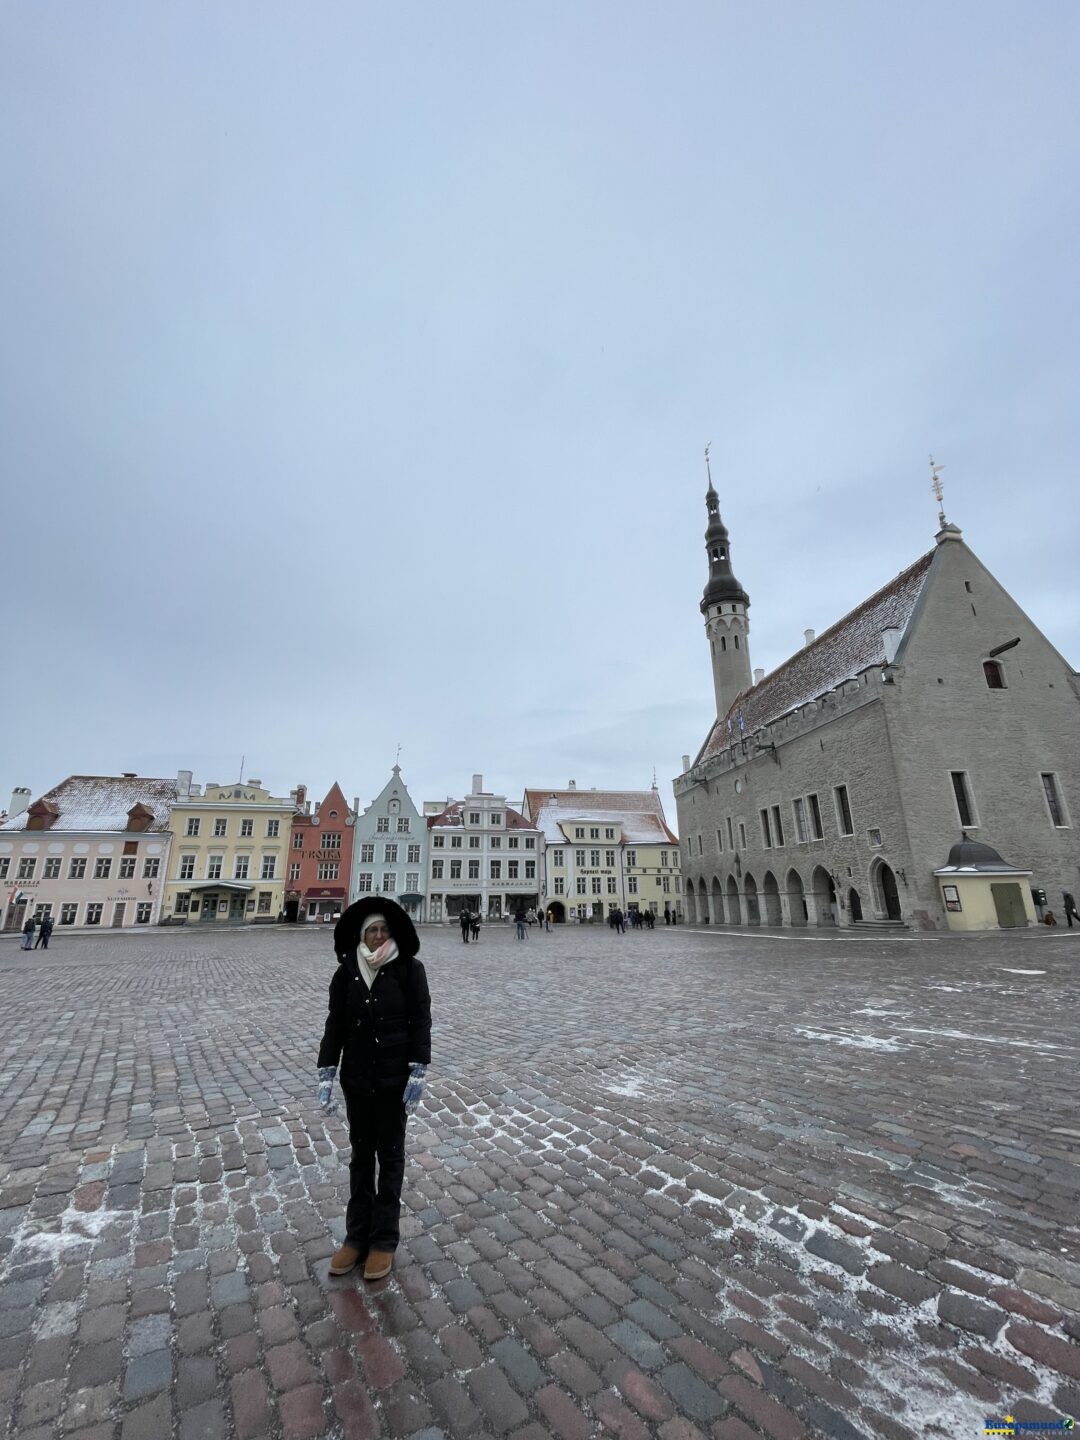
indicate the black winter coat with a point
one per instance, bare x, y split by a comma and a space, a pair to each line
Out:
374, 1036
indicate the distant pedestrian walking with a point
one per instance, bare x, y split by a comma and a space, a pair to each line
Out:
45, 931
519, 921
465, 920
1071, 912
28, 934
474, 924
548, 918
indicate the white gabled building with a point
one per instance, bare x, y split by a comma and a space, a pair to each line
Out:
483, 855
92, 852
390, 849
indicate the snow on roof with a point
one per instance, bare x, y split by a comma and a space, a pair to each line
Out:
638, 813
102, 802
452, 816
838, 654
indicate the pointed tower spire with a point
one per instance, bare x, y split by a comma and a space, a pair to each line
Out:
724, 605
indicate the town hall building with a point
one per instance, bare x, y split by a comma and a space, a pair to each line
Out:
917, 764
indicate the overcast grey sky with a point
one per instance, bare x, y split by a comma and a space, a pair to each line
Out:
357, 363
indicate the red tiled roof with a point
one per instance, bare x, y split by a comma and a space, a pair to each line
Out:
838, 654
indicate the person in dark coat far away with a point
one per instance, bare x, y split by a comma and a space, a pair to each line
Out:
379, 1031
465, 920
28, 934
45, 931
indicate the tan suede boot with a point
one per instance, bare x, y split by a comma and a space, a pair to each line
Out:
379, 1264
346, 1259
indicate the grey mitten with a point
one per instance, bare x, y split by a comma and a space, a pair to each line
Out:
414, 1089
326, 1088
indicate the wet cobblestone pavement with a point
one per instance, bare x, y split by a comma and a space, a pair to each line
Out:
679, 1184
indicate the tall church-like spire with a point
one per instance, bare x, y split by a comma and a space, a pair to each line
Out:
724, 605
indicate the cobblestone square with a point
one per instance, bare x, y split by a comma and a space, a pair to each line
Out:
679, 1183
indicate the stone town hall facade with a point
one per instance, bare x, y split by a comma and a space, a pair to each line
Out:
829, 792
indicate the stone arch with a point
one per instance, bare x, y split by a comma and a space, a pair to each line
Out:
774, 914
703, 903
854, 904
824, 892
753, 908
796, 898
884, 889
734, 909
691, 903
717, 898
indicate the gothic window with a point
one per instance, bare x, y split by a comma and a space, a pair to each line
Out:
723, 642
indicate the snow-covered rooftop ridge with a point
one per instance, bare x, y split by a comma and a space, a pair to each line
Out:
102, 802
638, 813
840, 653
453, 817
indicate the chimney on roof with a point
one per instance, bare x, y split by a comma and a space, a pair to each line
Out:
571, 785
478, 784
257, 783
356, 804
808, 635
301, 796
685, 763
759, 675
183, 784
20, 801
890, 640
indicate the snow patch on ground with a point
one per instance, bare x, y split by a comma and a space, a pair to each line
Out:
858, 1042
1042, 1045
1009, 971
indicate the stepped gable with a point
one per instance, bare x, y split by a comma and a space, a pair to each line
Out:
103, 802
639, 813
838, 654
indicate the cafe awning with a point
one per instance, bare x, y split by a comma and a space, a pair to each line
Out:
239, 885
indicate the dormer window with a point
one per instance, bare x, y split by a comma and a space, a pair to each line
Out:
995, 675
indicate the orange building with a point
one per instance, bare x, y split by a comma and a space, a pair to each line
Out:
320, 857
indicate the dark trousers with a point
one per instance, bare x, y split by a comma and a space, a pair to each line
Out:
376, 1132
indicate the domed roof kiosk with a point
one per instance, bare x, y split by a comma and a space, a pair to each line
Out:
981, 891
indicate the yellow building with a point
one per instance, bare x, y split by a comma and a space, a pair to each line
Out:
229, 854
605, 849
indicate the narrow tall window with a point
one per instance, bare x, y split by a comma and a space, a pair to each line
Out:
730, 835
843, 810
720, 841
778, 827
815, 818
766, 834
965, 807
1053, 801
800, 821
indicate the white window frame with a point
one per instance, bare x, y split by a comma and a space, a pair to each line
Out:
389, 882
269, 868
221, 827
273, 829
328, 870
367, 852
241, 867
363, 882
247, 829
187, 868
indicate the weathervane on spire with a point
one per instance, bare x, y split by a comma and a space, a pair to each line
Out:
708, 467
937, 487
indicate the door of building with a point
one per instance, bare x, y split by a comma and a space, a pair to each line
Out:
16, 916
1009, 904
889, 893
209, 908
119, 910
236, 907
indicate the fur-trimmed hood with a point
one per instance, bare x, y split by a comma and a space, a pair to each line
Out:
349, 930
